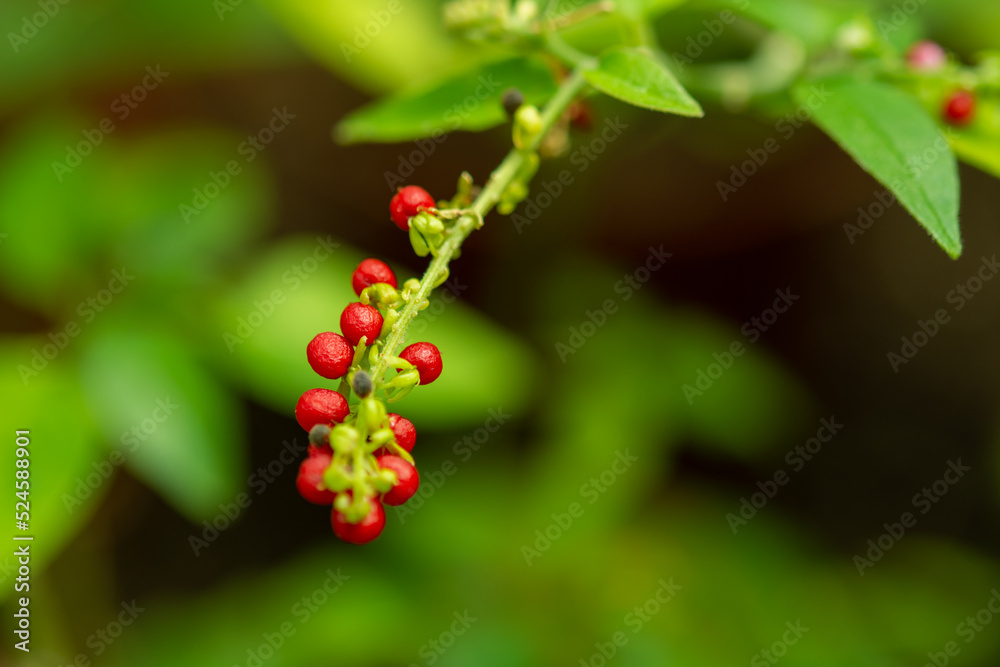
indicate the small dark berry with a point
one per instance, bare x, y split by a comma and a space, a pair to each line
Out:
359, 320
362, 384
360, 533
321, 406
310, 479
426, 358
511, 99
407, 479
330, 355
960, 107
320, 434
370, 272
407, 203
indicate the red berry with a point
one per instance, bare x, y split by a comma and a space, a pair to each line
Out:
403, 429
369, 272
359, 320
407, 203
960, 107
426, 358
320, 406
407, 479
315, 450
310, 479
360, 533
330, 355
926, 55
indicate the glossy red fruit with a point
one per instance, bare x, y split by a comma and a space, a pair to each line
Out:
926, 55
310, 479
426, 358
330, 355
404, 430
407, 479
407, 203
359, 320
369, 272
360, 533
960, 107
320, 406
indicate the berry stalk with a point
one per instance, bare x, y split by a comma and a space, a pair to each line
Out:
499, 180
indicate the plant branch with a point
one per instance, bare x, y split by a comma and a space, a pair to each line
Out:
465, 225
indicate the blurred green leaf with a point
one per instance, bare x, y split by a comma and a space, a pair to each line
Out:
637, 77
815, 23
121, 205
177, 428
885, 130
68, 467
621, 390
299, 288
469, 101
978, 149
377, 46
55, 230
64, 53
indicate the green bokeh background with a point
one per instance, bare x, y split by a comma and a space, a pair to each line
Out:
268, 260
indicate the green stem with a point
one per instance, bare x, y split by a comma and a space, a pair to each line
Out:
483, 204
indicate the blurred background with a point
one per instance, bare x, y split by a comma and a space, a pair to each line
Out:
177, 222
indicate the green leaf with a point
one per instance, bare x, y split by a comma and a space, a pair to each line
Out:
299, 288
815, 23
121, 205
176, 427
377, 46
68, 469
979, 150
469, 101
635, 76
895, 140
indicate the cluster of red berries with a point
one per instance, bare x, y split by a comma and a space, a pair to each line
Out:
359, 459
959, 106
